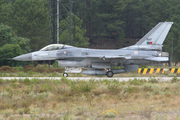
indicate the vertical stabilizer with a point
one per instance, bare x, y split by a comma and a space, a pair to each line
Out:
157, 35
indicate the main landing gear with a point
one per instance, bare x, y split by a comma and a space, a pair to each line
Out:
109, 73
65, 75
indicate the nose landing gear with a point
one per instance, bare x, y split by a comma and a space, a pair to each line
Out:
65, 75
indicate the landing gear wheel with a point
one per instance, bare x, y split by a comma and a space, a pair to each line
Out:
109, 74
65, 75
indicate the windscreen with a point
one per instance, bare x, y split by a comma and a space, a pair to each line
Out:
52, 47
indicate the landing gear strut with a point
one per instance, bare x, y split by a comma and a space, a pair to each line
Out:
109, 73
65, 75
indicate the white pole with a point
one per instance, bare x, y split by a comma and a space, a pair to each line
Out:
57, 21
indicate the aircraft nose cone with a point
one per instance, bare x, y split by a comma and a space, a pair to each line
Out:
25, 57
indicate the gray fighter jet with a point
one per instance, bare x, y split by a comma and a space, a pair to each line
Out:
147, 50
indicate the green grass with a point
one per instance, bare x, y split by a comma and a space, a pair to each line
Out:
70, 99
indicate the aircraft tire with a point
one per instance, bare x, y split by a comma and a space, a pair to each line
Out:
65, 75
109, 74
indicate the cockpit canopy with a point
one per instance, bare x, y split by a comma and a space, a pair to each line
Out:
52, 47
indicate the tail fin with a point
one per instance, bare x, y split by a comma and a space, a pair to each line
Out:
157, 35
154, 39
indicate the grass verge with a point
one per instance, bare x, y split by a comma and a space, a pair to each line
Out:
106, 99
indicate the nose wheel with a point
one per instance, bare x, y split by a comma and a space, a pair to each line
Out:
65, 75
109, 74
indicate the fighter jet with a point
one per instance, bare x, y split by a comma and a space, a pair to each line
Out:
101, 61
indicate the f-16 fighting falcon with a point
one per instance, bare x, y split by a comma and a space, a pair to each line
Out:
100, 61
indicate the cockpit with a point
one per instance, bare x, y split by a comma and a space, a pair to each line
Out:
52, 47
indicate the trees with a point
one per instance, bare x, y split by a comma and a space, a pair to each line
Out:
29, 18
9, 51
130, 13
7, 36
80, 39
110, 24
11, 45
86, 10
172, 42
96, 20
1, 11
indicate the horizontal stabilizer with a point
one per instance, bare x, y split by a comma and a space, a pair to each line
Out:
158, 59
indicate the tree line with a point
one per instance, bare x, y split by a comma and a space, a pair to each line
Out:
120, 19
104, 20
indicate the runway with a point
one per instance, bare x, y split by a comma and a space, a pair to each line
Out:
120, 79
